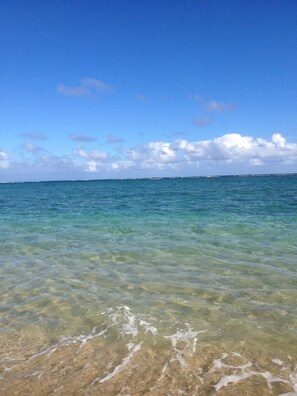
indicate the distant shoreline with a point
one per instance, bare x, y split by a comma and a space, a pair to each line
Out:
153, 178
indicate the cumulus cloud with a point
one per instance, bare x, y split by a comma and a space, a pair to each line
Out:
81, 138
110, 166
231, 148
91, 155
236, 147
158, 155
4, 160
34, 136
91, 166
87, 87
226, 154
278, 140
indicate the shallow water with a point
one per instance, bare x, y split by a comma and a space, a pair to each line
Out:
157, 287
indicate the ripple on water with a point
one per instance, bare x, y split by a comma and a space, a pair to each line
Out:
132, 353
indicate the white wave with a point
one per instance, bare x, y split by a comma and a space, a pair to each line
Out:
58, 389
189, 337
293, 383
37, 374
133, 349
243, 372
232, 379
148, 327
129, 323
278, 361
218, 364
126, 320
81, 339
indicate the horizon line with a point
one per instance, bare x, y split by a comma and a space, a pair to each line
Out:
155, 178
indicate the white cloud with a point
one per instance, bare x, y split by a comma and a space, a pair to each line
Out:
255, 162
4, 160
278, 140
236, 147
91, 155
227, 154
115, 166
159, 151
214, 105
156, 155
91, 166
94, 166
87, 87
31, 148
96, 85
73, 91
229, 149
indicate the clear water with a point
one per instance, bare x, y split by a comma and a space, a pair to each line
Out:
157, 287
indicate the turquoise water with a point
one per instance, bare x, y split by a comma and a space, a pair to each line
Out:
137, 282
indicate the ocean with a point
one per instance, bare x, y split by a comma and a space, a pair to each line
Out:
170, 286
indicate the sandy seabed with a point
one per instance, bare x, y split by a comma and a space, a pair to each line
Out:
176, 365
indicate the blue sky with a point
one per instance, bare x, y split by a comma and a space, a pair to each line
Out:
109, 89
